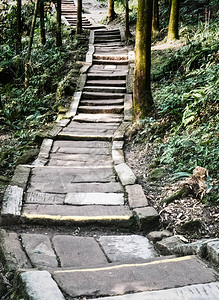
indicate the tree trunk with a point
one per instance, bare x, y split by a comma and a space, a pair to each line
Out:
155, 18
79, 17
143, 101
59, 23
127, 32
173, 28
42, 23
111, 12
30, 43
18, 46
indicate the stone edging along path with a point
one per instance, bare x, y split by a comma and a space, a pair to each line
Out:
80, 178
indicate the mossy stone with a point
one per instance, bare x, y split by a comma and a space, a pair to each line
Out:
27, 156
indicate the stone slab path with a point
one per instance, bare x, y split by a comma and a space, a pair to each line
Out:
80, 179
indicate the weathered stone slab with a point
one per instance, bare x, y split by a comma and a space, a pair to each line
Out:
78, 251
120, 132
206, 291
65, 176
136, 196
129, 248
159, 235
80, 144
45, 148
213, 251
39, 250
92, 187
118, 157
20, 177
166, 246
129, 278
128, 107
98, 118
81, 164
44, 198
11, 251
125, 174
39, 285
94, 198
40, 162
81, 157
118, 145
64, 122
90, 151
74, 105
147, 217
88, 213
12, 201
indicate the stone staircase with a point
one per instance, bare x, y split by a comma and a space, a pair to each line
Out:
80, 179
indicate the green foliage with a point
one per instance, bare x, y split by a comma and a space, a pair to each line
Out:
185, 131
23, 111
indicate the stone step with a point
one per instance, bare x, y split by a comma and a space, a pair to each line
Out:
106, 82
103, 32
101, 109
98, 118
107, 37
81, 164
104, 89
110, 62
119, 279
100, 95
101, 102
110, 44
75, 215
103, 41
115, 77
85, 187
72, 126
110, 56
205, 291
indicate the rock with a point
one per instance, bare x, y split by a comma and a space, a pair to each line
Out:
12, 201
198, 248
20, 177
39, 285
127, 248
12, 252
125, 174
39, 250
136, 196
158, 235
213, 251
147, 217
156, 174
166, 246
77, 251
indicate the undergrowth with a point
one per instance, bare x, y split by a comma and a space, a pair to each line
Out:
54, 73
184, 131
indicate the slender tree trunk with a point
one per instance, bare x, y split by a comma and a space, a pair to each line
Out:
59, 23
155, 18
173, 28
143, 101
127, 32
18, 46
111, 12
42, 23
30, 43
79, 17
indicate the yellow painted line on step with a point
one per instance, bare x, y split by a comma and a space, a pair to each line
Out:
156, 262
76, 218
